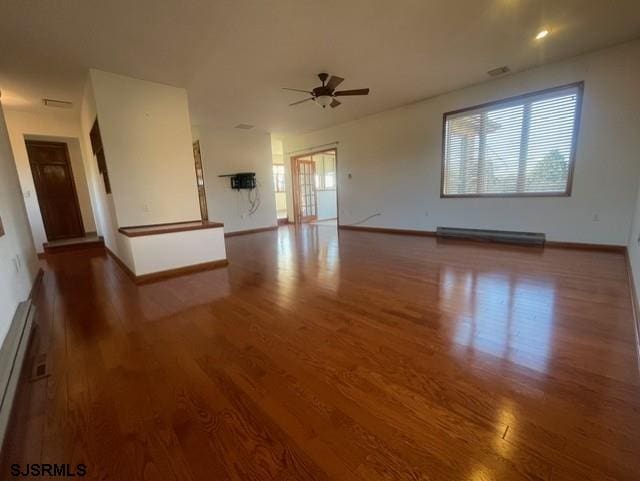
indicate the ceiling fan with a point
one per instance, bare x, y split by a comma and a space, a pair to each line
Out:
326, 94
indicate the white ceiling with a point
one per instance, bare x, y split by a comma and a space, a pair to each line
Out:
233, 56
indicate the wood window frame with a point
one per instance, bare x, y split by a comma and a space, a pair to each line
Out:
579, 86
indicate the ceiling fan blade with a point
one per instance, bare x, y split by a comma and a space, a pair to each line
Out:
300, 101
334, 103
334, 81
351, 92
297, 90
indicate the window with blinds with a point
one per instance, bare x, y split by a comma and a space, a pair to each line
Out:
522, 146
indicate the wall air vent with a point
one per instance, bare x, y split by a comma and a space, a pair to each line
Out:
60, 104
244, 126
498, 71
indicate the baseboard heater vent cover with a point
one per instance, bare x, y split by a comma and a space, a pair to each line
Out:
12, 356
506, 237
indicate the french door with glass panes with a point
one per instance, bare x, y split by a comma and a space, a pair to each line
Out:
305, 190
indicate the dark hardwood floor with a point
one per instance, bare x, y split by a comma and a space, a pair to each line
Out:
358, 356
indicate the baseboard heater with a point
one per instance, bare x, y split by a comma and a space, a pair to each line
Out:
12, 356
503, 236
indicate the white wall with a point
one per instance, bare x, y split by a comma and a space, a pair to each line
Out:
230, 151
326, 204
16, 246
57, 126
161, 252
105, 211
146, 135
394, 158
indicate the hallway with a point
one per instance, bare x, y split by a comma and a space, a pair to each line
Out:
348, 355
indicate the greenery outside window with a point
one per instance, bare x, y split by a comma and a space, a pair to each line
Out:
521, 146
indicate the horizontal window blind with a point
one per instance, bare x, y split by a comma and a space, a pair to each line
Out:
521, 146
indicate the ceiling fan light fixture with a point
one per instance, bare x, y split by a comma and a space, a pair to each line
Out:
326, 94
542, 34
324, 100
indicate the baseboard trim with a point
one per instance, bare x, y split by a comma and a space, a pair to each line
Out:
180, 271
95, 244
122, 265
635, 305
37, 281
250, 231
427, 233
585, 246
384, 230
161, 275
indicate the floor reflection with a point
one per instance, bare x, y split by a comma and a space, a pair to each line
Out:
308, 252
506, 316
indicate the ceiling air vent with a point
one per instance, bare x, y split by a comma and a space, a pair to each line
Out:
60, 104
244, 126
498, 71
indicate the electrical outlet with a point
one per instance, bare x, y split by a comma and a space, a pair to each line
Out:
426, 213
145, 207
596, 218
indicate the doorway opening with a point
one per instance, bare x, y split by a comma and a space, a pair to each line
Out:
315, 187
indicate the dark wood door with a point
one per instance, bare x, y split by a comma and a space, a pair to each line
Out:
305, 201
56, 189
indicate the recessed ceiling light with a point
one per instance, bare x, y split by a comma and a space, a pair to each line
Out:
542, 34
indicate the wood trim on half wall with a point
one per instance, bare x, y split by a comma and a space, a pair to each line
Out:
155, 229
